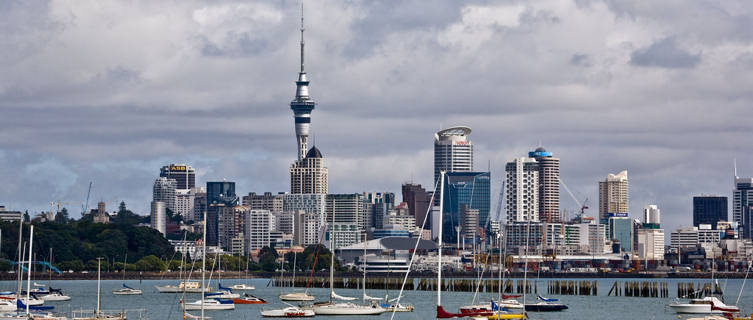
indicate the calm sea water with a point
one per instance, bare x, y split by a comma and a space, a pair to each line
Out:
166, 306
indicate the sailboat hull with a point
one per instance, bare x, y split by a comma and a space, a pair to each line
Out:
296, 297
347, 309
545, 307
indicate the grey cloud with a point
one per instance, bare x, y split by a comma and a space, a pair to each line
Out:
664, 54
386, 75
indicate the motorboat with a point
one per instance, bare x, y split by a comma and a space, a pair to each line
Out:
31, 301
705, 305
347, 309
126, 291
397, 307
243, 287
543, 306
296, 296
187, 286
290, 311
55, 296
249, 299
7, 305
210, 304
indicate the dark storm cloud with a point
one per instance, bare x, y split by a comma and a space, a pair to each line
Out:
664, 54
110, 91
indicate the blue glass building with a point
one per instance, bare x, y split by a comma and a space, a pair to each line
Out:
464, 188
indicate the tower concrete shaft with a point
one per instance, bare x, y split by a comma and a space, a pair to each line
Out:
302, 104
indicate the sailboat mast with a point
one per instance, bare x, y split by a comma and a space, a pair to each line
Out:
99, 284
525, 261
20, 256
363, 265
332, 255
295, 256
439, 241
28, 281
203, 264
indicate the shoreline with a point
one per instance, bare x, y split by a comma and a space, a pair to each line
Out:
41, 277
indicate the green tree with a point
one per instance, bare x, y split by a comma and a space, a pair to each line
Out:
62, 216
27, 218
268, 259
151, 263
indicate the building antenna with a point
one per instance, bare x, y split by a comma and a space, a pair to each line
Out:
734, 165
302, 43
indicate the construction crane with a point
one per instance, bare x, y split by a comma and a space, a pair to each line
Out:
583, 205
85, 205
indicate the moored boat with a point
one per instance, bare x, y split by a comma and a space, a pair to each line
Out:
126, 291
209, 304
187, 286
705, 305
288, 312
249, 299
296, 296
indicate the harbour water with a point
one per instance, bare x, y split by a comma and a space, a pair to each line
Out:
166, 306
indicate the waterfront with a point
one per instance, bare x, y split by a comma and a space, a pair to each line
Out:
166, 306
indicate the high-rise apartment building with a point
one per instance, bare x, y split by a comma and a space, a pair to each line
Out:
650, 244
549, 184
380, 204
309, 175
183, 174
309, 215
453, 151
230, 223
159, 217
164, 191
349, 214
220, 194
709, 210
266, 201
184, 203
418, 201
652, 215
613, 196
742, 206
199, 203
258, 227
472, 189
522, 190
620, 230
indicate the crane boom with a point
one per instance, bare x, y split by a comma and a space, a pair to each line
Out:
85, 205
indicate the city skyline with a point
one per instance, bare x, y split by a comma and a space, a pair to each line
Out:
112, 127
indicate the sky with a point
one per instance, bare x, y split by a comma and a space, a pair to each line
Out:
109, 91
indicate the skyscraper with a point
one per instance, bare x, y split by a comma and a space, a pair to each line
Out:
183, 174
549, 184
472, 189
652, 215
220, 195
709, 210
159, 217
418, 201
522, 190
613, 196
453, 152
742, 205
309, 175
302, 105
164, 191
349, 212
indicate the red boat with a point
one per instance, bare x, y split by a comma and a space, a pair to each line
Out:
441, 314
249, 299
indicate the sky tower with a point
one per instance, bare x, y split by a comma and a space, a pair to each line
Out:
302, 105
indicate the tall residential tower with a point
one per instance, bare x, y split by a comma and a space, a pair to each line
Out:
549, 184
453, 152
613, 196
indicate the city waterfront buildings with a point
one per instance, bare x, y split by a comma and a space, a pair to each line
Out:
164, 191
258, 225
652, 215
419, 202
472, 189
183, 174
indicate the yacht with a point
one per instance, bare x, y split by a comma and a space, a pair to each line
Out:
126, 291
187, 286
210, 304
705, 305
290, 311
296, 296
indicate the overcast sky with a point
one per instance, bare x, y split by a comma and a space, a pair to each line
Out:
109, 91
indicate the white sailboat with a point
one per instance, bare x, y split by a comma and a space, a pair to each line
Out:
296, 296
126, 290
243, 286
341, 308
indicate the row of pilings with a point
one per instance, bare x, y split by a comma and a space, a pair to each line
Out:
647, 289
699, 290
643, 289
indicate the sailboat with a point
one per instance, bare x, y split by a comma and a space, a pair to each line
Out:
290, 311
243, 286
126, 290
295, 296
98, 313
204, 304
341, 308
441, 313
706, 305
543, 304
222, 292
